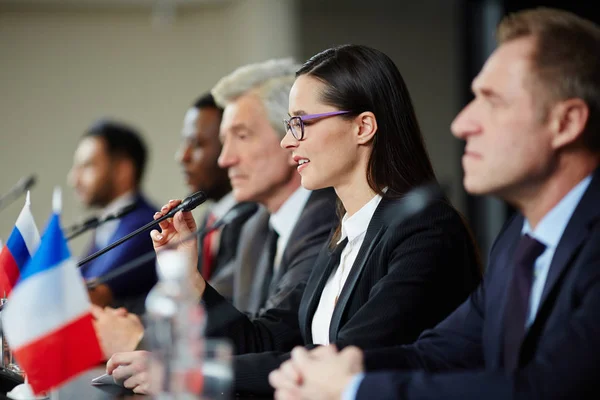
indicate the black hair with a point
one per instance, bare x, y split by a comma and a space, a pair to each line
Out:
121, 141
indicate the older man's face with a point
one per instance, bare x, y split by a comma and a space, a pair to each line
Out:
258, 167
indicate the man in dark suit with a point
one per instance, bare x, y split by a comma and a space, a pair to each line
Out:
531, 330
198, 155
107, 172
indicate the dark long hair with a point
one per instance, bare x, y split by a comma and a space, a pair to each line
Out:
358, 79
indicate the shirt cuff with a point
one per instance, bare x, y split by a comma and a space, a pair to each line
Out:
352, 387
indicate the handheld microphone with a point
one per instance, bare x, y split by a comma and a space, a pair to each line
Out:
188, 204
241, 210
94, 222
23, 185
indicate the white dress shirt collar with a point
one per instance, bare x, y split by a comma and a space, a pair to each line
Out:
356, 225
220, 208
117, 204
105, 231
284, 220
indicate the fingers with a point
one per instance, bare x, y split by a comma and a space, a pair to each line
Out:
184, 223
121, 359
165, 223
158, 239
122, 373
291, 374
97, 311
121, 311
188, 219
288, 394
323, 351
171, 204
300, 357
134, 318
286, 377
284, 380
352, 357
138, 383
112, 364
142, 389
164, 210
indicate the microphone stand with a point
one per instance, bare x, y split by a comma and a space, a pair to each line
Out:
94, 222
23, 185
243, 209
77, 230
188, 204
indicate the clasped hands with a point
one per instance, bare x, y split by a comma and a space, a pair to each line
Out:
319, 374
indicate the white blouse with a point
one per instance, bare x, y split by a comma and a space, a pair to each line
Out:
354, 228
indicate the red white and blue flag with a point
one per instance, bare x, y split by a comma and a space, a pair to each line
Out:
47, 318
22, 244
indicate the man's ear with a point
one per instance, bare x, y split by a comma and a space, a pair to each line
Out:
124, 170
367, 127
568, 120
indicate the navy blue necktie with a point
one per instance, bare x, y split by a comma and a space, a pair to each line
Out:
517, 304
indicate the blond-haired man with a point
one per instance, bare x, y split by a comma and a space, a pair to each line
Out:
255, 100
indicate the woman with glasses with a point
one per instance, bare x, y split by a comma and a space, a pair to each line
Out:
382, 278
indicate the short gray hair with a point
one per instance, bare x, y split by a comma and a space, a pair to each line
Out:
271, 80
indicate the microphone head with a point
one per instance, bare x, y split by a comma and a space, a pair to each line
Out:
192, 201
26, 182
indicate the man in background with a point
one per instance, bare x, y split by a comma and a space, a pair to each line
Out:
107, 172
198, 156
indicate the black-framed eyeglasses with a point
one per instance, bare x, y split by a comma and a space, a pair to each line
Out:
296, 124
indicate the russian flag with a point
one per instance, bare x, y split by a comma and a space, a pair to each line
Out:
22, 244
47, 318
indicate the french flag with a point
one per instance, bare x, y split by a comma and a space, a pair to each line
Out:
47, 318
22, 244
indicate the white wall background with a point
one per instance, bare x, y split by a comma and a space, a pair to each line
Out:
63, 67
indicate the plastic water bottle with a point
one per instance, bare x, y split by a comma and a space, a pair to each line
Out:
174, 331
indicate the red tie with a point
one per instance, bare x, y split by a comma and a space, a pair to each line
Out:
208, 248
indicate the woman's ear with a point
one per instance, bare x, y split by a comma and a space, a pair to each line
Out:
367, 127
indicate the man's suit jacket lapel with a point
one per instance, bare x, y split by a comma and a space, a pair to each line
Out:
577, 230
375, 231
587, 211
303, 224
222, 278
574, 235
496, 292
202, 225
250, 247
